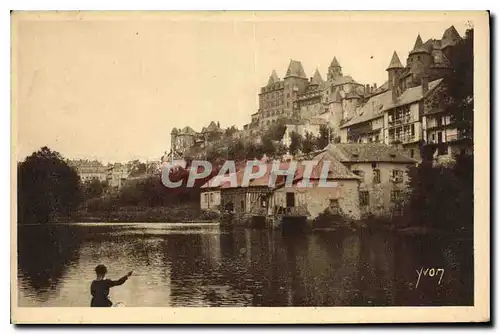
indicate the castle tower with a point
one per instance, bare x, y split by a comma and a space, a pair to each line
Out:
173, 140
273, 78
394, 70
420, 54
450, 38
335, 70
317, 79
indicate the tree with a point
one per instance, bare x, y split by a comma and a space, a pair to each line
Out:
236, 150
309, 143
228, 133
457, 93
94, 188
430, 203
254, 151
277, 130
325, 133
280, 150
268, 147
295, 143
47, 186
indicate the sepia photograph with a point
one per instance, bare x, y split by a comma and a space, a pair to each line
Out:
250, 167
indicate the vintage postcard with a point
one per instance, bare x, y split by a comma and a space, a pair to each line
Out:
250, 167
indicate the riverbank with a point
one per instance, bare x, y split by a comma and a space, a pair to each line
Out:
191, 213
175, 214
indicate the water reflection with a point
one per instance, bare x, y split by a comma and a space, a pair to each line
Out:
202, 265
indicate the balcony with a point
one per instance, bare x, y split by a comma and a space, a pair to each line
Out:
457, 137
400, 121
402, 139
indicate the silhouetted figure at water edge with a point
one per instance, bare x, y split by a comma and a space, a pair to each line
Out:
99, 289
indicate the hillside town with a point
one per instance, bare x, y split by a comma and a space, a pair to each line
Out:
262, 160
373, 134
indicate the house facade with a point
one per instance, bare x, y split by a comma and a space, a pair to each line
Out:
89, 170
361, 180
382, 172
400, 114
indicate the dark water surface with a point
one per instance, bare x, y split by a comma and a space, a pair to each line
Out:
203, 265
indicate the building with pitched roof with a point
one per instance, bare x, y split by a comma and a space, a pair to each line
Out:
298, 97
397, 114
89, 170
334, 99
364, 179
185, 139
276, 99
382, 171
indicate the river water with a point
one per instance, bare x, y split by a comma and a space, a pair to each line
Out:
178, 265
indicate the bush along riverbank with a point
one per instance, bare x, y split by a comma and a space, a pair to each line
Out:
173, 214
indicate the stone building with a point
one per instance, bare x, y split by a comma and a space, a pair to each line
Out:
297, 98
89, 170
364, 180
382, 172
277, 98
117, 175
184, 140
398, 114
371, 179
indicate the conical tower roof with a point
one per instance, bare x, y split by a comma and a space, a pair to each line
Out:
419, 46
273, 78
418, 42
335, 62
395, 62
317, 79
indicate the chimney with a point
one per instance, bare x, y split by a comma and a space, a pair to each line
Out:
394, 94
425, 84
311, 79
367, 89
375, 86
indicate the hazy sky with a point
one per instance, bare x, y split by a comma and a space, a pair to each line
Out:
113, 88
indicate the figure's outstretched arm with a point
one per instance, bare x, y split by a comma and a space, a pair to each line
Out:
121, 280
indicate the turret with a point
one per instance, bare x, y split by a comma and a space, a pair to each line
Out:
335, 70
394, 70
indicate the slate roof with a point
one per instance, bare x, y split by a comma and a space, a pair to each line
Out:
418, 42
369, 152
420, 46
295, 69
317, 79
377, 104
187, 131
450, 37
413, 94
395, 62
335, 62
273, 78
340, 80
372, 109
336, 171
